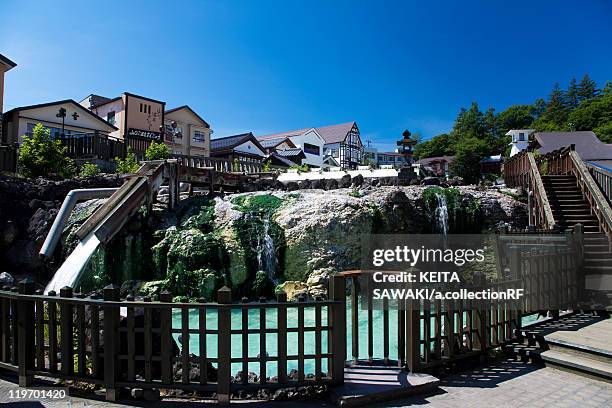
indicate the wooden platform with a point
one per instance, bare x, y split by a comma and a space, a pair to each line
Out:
366, 384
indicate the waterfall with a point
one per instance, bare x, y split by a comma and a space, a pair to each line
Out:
266, 254
441, 214
70, 272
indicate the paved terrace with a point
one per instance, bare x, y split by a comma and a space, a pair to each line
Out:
508, 384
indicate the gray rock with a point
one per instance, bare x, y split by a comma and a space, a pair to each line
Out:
291, 186
357, 180
430, 181
345, 181
304, 184
151, 395
6, 279
137, 393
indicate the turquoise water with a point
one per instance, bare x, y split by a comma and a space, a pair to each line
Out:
292, 338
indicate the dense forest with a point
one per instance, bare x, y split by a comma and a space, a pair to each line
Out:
477, 134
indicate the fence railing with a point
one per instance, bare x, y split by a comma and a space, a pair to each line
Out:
603, 178
126, 343
221, 165
8, 157
93, 145
522, 171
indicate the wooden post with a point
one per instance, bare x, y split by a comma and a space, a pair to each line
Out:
338, 324
224, 310
579, 277
479, 319
25, 333
111, 341
281, 297
66, 324
515, 263
166, 338
413, 335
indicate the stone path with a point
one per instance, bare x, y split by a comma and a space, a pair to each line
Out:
514, 384
508, 384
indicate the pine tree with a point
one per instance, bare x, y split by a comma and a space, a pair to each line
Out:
587, 89
556, 111
571, 95
539, 107
608, 88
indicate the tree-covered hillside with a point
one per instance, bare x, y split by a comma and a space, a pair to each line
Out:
477, 134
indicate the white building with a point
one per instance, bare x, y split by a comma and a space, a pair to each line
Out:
309, 140
186, 132
520, 140
76, 121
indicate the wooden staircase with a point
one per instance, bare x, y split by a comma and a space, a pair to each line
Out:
576, 342
570, 207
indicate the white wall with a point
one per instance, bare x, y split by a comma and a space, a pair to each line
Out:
249, 147
313, 138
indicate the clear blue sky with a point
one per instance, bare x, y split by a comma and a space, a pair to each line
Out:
273, 66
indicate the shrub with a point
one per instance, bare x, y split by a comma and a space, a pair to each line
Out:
127, 165
40, 155
157, 151
89, 170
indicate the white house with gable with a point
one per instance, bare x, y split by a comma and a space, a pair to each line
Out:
520, 140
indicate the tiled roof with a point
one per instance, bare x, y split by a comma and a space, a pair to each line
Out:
229, 142
273, 142
588, 146
281, 159
434, 159
330, 134
335, 133
290, 152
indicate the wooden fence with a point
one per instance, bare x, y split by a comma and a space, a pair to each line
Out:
123, 343
73, 337
220, 165
93, 145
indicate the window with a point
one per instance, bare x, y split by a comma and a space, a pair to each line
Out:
521, 137
110, 117
199, 137
141, 107
312, 149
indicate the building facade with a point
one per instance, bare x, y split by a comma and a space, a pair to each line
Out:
139, 120
391, 159
309, 140
5, 65
520, 140
343, 142
440, 165
76, 122
243, 147
186, 132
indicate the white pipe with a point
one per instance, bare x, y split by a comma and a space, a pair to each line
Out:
64, 213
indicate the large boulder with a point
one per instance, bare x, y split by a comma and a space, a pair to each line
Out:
430, 181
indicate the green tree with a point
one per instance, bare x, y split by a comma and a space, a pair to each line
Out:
594, 114
40, 155
157, 151
129, 164
437, 146
555, 114
571, 96
467, 159
607, 88
587, 89
538, 109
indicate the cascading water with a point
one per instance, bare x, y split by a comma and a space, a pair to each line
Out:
441, 214
266, 254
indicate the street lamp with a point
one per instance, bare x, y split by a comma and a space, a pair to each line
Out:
62, 114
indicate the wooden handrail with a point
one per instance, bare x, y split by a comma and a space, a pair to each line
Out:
599, 203
603, 178
539, 193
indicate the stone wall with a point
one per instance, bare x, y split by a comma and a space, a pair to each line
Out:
27, 210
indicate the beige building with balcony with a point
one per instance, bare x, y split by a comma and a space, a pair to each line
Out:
139, 120
186, 132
